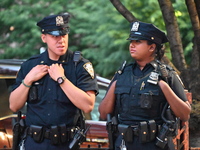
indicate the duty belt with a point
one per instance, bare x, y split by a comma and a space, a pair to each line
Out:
128, 131
57, 134
146, 131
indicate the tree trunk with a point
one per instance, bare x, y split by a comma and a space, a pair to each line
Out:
197, 2
193, 73
173, 34
196, 28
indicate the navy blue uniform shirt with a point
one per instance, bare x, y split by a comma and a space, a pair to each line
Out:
52, 106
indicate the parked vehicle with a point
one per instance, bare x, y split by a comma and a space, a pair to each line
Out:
96, 137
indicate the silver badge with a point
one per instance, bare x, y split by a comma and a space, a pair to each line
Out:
135, 26
59, 21
153, 78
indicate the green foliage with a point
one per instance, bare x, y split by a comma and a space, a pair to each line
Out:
103, 40
96, 28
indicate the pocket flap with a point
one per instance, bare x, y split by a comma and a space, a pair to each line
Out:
122, 90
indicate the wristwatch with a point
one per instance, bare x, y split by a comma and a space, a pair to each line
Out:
60, 80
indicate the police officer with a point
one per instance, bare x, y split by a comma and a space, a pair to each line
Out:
139, 91
55, 85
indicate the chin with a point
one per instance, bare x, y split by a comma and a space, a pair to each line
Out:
62, 51
133, 55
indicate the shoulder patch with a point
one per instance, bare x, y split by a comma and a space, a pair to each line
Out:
89, 68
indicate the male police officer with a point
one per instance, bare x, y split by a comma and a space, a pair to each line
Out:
55, 88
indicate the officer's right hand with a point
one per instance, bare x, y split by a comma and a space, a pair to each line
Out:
36, 73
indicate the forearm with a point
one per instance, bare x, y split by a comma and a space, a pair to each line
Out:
106, 107
108, 103
180, 108
18, 98
81, 99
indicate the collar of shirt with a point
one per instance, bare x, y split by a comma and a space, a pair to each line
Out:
147, 69
63, 59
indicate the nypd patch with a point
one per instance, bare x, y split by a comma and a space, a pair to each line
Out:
89, 68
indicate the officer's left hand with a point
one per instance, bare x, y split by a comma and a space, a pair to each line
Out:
56, 71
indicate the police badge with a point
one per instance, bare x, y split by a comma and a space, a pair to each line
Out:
153, 78
59, 21
135, 26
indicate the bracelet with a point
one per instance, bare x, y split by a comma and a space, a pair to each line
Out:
25, 84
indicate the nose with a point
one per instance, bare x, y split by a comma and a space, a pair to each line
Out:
61, 39
132, 44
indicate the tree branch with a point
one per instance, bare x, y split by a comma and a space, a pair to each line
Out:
123, 11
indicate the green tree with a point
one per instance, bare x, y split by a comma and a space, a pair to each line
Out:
93, 30
20, 36
97, 29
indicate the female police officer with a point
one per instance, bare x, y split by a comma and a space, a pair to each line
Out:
55, 86
139, 92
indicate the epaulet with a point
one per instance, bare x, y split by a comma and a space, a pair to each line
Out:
169, 68
164, 72
121, 69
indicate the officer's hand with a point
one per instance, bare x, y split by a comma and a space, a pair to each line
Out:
56, 71
36, 73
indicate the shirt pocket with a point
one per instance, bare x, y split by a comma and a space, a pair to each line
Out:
61, 96
123, 98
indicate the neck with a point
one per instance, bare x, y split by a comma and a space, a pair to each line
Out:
143, 63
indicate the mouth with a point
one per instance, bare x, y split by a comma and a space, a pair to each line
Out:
61, 47
132, 51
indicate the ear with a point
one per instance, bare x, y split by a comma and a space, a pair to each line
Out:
43, 37
152, 47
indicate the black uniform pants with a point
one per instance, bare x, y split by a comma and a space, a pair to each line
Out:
30, 144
